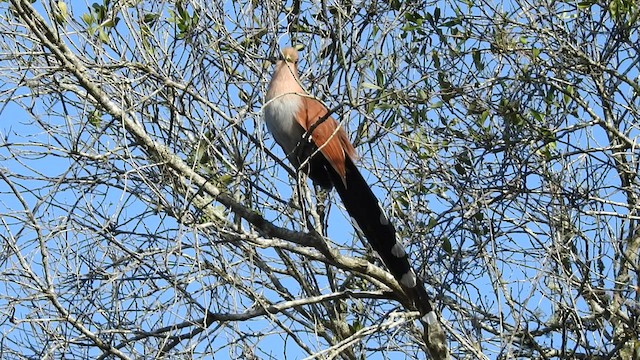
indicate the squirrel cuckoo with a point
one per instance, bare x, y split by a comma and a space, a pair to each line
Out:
328, 157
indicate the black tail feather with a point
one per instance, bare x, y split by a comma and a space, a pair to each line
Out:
365, 210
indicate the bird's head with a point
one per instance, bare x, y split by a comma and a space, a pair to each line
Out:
290, 55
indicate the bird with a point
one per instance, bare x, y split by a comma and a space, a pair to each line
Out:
317, 145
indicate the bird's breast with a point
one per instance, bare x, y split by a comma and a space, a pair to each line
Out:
279, 114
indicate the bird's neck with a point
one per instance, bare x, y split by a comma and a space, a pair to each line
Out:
285, 80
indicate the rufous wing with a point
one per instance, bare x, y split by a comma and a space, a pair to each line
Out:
327, 134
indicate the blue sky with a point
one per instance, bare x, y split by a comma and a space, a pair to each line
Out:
18, 130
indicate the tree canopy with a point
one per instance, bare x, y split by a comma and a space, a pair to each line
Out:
145, 212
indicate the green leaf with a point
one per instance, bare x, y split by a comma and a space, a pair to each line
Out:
226, 179
582, 5
369, 107
446, 246
88, 18
402, 201
103, 36
150, 19
484, 116
477, 61
423, 95
429, 18
535, 52
94, 118
371, 86
538, 116
432, 222
452, 23
437, 105
545, 152
570, 89
390, 121
568, 95
436, 59
100, 11
379, 78
355, 327
60, 13
614, 8
111, 23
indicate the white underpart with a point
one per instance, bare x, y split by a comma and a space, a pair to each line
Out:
383, 217
409, 279
279, 115
398, 250
430, 317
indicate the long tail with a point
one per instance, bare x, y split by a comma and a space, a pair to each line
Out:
364, 208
